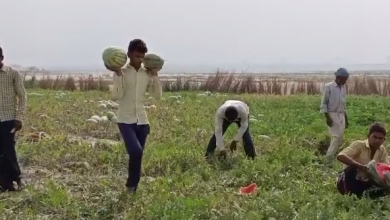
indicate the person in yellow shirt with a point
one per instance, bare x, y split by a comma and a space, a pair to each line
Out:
354, 179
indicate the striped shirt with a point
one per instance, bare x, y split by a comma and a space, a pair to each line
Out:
12, 94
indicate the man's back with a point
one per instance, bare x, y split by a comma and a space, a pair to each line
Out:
236, 103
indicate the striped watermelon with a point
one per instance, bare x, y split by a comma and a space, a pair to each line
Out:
114, 57
153, 61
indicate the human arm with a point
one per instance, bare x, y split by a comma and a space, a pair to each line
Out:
347, 154
118, 72
118, 87
244, 124
154, 87
324, 105
345, 107
218, 131
325, 100
384, 156
21, 94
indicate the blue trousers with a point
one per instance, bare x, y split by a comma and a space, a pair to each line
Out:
134, 137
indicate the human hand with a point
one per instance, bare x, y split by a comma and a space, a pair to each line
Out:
222, 153
154, 71
329, 122
18, 125
233, 145
364, 169
118, 72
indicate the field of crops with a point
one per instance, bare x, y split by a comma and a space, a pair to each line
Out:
76, 169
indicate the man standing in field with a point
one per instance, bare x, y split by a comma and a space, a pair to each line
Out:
237, 112
130, 85
333, 107
12, 107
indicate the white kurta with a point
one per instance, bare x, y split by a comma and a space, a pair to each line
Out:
243, 113
129, 90
333, 103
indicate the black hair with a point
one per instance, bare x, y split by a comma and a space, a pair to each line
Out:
377, 127
231, 113
1, 52
137, 45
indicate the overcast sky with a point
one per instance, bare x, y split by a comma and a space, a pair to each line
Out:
70, 32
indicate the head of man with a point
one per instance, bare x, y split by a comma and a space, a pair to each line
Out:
231, 113
342, 76
136, 52
376, 135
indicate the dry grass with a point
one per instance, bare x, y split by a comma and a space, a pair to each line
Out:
223, 82
68, 83
232, 83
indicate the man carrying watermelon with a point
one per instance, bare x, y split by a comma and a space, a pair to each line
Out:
130, 85
356, 178
232, 111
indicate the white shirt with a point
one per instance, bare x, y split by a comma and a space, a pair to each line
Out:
243, 116
334, 98
129, 89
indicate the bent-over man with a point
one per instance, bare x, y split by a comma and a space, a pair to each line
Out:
232, 111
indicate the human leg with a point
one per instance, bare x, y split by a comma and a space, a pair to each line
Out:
142, 134
347, 184
9, 166
337, 134
135, 151
249, 148
213, 142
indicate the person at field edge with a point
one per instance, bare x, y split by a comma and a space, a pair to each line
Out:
130, 85
333, 107
237, 112
354, 179
12, 107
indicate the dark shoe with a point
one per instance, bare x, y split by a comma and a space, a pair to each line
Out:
222, 154
7, 188
20, 184
131, 190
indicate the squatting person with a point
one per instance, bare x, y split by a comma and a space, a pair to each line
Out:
354, 179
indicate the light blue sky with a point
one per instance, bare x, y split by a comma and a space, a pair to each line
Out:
216, 32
